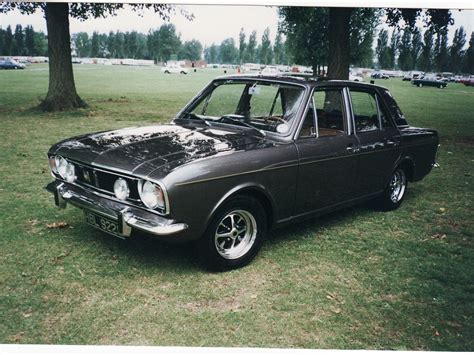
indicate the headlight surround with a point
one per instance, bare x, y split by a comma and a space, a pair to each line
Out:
64, 168
152, 195
121, 189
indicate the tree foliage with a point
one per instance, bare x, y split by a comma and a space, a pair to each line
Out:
191, 50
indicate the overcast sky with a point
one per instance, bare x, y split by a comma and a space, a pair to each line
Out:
212, 23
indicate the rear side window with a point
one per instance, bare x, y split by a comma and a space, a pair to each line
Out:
364, 108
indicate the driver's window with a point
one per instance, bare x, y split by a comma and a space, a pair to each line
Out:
329, 112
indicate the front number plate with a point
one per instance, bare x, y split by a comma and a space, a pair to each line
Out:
107, 225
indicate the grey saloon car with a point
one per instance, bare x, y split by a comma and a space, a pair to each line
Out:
247, 154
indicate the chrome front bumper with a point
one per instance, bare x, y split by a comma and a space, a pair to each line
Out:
127, 217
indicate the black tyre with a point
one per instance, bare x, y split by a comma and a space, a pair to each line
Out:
234, 235
395, 191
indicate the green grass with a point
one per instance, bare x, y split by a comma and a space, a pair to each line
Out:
354, 279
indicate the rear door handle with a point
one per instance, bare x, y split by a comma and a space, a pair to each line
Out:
352, 149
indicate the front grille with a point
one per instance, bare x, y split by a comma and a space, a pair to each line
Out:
104, 181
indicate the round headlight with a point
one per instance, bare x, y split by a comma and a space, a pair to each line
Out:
61, 166
121, 189
152, 195
70, 175
65, 169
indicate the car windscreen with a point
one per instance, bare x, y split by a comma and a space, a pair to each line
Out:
266, 106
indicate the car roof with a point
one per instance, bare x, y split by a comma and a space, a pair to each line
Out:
305, 80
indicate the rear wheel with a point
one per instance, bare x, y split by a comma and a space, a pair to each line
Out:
234, 236
420, 85
394, 193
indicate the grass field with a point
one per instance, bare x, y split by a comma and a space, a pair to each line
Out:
354, 279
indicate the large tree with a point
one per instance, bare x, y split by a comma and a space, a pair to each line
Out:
441, 55
468, 62
250, 51
416, 46
228, 51
279, 49
312, 37
426, 56
191, 50
456, 51
266, 53
382, 49
339, 32
405, 59
62, 93
242, 45
306, 32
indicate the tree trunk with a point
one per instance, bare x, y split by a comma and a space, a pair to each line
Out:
62, 93
339, 42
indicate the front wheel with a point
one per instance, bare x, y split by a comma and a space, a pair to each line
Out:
394, 193
420, 85
234, 235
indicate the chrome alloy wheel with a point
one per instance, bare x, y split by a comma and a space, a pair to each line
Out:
235, 234
398, 185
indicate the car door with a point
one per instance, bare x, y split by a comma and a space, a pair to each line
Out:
327, 149
379, 140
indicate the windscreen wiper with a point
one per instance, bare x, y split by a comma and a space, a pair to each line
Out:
193, 116
241, 122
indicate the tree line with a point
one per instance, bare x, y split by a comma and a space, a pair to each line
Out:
404, 49
249, 50
23, 42
160, 45
409, 49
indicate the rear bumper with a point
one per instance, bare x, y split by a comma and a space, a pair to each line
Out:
127, 217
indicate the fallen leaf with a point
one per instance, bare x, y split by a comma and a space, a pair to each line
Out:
27, 315
17, 337
437, 333
57, 225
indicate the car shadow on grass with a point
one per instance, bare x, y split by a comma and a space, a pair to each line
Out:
141, 249
314, 225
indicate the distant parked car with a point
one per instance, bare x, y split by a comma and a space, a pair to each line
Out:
174, 69
412, 75
11, 63
469, 81
353, 77
429, 81
379, 75
270, 70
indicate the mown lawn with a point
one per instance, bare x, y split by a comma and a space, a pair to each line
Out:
354, 279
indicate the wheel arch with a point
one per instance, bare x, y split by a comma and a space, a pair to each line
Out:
408, 165
254, 190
